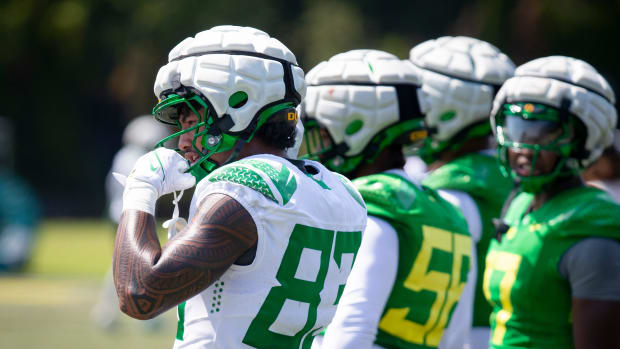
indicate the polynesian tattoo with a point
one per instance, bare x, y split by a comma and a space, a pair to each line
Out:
150, 279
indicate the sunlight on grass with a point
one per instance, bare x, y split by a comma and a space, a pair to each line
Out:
50, 304
75, 247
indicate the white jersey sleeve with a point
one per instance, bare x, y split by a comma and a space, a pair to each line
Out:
466, 204
367, 291
309, 229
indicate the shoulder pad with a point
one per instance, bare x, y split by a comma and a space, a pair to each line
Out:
590, 212
476, 174
348, 185
387, 190
271, 178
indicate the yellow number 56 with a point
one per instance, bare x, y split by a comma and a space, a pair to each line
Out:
448, 288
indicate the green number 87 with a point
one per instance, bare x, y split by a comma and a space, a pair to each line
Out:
288, 316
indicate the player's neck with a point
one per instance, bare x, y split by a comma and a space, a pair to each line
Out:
607, 167
256, 146
473, 145
554, 189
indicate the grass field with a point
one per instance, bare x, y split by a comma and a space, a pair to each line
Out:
49, 305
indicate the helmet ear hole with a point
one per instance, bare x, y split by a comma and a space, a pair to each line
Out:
238, 99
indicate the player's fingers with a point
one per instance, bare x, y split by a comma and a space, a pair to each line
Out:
183, 179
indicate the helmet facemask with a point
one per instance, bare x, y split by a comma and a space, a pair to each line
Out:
538, 128
430, 148
210, 131
207, 133
319, 145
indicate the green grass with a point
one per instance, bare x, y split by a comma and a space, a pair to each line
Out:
70, 247
49, 305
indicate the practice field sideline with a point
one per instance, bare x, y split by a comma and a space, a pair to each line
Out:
49, 305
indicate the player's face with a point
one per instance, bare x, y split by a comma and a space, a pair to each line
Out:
187, 120
526, 161
522, 161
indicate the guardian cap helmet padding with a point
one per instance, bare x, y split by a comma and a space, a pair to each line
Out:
365, 100
239, 75
577, 93
460, 77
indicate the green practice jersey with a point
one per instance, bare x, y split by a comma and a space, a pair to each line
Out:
479, 176
531, 299
433, 259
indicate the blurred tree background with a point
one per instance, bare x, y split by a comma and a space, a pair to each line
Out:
73, 73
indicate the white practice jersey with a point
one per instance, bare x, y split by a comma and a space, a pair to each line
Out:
309, 230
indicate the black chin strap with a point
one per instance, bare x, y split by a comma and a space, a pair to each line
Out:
236, 150
337, 150
501, 228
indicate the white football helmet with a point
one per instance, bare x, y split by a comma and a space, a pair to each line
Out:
239, 75
460, 77
569, 85
365, 100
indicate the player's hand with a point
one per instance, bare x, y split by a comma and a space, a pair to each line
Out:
156, 173
164, 169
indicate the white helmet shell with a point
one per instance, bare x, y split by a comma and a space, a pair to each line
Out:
550, 80
460, 76
144, 131
250, 61
357, 85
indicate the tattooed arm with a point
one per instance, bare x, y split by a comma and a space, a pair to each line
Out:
150, 280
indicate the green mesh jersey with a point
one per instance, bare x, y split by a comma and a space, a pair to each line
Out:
479, 176
531, 299
433, 259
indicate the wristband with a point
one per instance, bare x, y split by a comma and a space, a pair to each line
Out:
139, 195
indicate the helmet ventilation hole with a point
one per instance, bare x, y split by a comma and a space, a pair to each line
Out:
353, 127
238, 99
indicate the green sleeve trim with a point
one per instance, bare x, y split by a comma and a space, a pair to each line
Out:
239, 174
349, 187
283, 180
181, 322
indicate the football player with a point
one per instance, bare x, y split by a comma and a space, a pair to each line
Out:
361, 109
20, 210
270, 240
553, 277
460, 76
604, 173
